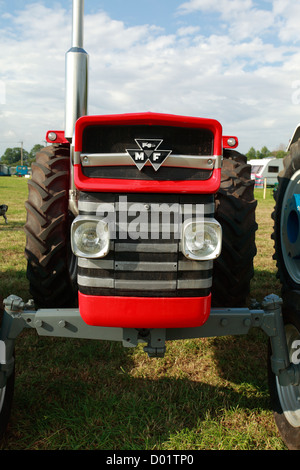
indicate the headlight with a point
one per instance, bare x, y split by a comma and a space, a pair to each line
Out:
201, 240
90, 237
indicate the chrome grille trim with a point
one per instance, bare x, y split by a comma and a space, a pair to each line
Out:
183, 265
179, 161
146, 247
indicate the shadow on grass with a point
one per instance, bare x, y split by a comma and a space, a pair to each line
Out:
74, 394
264, 283
244, 357
15, 225
81, 394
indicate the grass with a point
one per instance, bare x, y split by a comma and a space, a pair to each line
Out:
204, 394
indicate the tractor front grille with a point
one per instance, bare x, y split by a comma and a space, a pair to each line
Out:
146, 261
114, 142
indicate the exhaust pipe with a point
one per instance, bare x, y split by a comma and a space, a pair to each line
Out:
76, 73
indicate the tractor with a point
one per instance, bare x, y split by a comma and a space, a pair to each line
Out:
140, 229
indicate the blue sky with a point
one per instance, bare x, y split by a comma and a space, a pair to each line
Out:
237, 61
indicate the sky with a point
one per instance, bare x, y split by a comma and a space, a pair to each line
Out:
237, 61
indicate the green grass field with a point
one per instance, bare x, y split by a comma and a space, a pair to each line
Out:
207, 393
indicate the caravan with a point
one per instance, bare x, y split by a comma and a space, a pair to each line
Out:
268, 168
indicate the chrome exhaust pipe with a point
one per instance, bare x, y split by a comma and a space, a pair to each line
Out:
76, 100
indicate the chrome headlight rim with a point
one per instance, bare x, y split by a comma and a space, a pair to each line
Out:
85, 219
210, 224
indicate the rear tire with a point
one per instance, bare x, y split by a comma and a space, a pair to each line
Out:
6, 393
235, 211
51, 267
6, 399
286, 400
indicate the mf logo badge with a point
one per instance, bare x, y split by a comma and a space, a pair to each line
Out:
148, 150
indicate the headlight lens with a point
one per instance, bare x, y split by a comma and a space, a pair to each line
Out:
201, 240
90, 237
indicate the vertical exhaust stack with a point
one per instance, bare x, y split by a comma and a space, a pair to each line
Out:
76, 73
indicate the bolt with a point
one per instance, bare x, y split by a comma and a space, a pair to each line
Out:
62, 323
38, 323
30, 303
224, 322
14, 303
271, 301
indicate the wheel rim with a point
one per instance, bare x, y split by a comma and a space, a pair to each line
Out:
290, 228
289, 396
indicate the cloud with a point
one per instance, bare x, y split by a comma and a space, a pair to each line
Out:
242, 18
241, 72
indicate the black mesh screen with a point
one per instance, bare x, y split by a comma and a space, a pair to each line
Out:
116, 139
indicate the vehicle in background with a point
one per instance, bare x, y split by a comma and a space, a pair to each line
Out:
268, 168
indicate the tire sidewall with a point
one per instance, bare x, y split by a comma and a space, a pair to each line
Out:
289, 434
6, 401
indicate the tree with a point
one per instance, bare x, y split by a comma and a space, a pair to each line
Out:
263, 153
32, 154
279, 153
251, 154
12, 156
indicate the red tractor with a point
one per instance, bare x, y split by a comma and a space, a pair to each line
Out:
140, 228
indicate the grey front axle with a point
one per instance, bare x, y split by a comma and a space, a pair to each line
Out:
67, 323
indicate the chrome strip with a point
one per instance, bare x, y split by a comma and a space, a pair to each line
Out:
136, 284
144, 285
119, 159
145, 266
95, 282
96, 263
189, 265
183, 265
194, 283
146, 247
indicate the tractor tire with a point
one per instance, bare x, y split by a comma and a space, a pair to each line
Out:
6, 399
51, 266
285, 400
235, 211
286, 223
6, 393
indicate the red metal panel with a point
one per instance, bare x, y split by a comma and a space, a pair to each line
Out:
144, 312
60, 138
227, 138
209, 186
